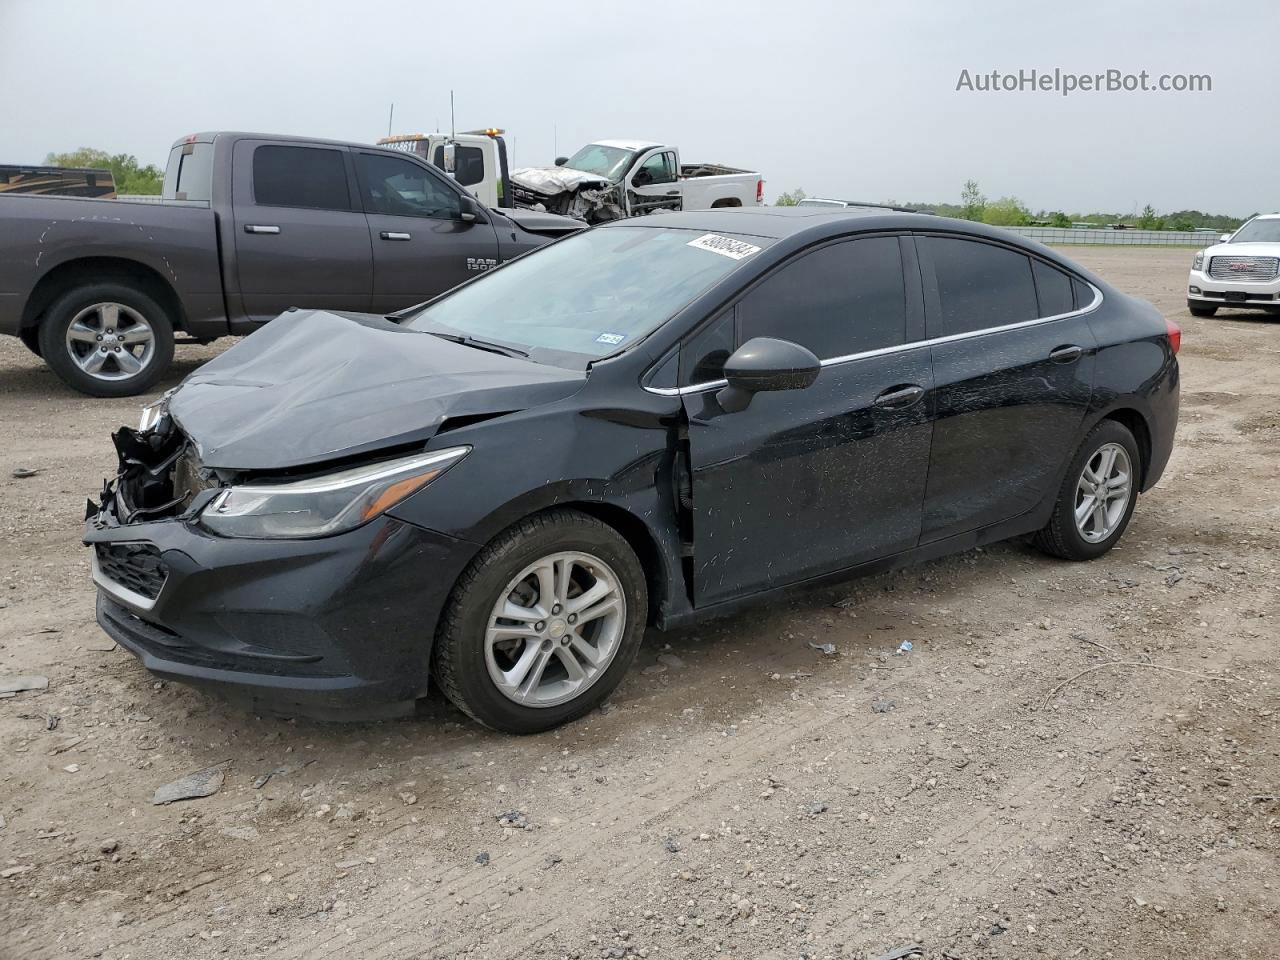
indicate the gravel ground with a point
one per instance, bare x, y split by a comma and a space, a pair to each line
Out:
743, 795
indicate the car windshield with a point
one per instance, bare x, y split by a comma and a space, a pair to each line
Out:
608, 162
1259, 231
589, 295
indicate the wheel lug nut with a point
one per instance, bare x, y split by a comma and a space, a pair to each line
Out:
540, 625
573, 618
556, 608
99, 336
564, 641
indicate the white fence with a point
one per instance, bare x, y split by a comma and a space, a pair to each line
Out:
1157, 238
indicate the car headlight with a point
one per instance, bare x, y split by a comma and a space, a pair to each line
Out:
319, 506
1198, 262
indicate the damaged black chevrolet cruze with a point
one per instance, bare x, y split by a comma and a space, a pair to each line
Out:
635, 426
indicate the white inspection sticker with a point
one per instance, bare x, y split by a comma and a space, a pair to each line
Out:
613, 339
725, 246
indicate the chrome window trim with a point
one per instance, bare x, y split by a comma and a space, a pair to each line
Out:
900, 348
122, 594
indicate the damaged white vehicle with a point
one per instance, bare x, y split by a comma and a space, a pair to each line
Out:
613, 179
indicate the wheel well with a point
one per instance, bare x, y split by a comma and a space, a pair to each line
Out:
88, 270
726, 202
1136, 424
640, 540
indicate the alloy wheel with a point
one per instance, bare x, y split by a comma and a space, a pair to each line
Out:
555, 629
1103, 492
110, 341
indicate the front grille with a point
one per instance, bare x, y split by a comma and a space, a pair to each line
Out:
1244, 268
134, 566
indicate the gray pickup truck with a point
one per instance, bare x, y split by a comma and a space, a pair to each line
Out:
248, 226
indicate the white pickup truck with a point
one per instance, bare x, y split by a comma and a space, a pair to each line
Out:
612, 179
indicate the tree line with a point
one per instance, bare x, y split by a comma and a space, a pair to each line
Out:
130, 176
1012, 212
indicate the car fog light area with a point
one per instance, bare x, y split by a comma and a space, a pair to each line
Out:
323, 505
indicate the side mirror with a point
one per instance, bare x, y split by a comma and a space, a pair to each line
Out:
561, 161
1224, 238
764, 364
470, 210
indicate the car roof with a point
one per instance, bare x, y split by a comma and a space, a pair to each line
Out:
210, 135
778, 223
628, 144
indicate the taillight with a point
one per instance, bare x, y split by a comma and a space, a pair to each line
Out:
759, 191
1175, 335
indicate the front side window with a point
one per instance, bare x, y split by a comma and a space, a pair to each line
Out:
841, 299
659, 168
401, 188
980, 285
300, 177
590, 295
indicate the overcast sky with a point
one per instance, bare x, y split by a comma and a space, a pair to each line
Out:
845, 99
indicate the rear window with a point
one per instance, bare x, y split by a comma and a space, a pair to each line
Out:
189, 175
980, 285
300, 177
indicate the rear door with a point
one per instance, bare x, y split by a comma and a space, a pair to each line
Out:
300, 238
1013, 361
810, 481
421, 244
654, 184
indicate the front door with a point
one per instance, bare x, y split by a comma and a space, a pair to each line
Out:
654, 184
1013, 366
811, 481
421, 245
300, 240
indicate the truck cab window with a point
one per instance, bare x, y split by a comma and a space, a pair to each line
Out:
401, 188
659, 168
468, 164
300, 177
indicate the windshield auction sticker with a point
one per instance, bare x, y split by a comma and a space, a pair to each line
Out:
725, 246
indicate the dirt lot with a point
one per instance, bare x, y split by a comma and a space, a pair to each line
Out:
740, 799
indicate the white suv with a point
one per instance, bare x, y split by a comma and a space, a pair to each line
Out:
1241, 271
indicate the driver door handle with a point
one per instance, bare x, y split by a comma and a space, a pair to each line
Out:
1067, 354
900, 397
261, 228
394, 235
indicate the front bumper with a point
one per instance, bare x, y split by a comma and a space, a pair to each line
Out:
1239, 293
339, 627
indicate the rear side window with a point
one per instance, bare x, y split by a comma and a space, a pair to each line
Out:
300, 177
980, 285
1053, 288
845, 298
189, 175
1084, 293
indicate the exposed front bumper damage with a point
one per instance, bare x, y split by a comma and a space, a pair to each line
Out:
569, 193
337, 627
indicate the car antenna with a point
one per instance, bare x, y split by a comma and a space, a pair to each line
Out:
390, 118
453, 124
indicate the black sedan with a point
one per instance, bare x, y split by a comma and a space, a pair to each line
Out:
642, 424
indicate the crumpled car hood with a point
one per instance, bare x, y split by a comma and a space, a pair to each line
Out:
313, 386
553, 180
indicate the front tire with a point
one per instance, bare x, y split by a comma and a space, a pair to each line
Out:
1198, 310
543, 623
1097, 496
107, 340
30, 336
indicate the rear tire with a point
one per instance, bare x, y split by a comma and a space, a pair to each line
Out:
1065, 535
475, 647
1200, 311
107, 340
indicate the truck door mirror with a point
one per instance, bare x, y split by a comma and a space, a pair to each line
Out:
561, 161
469, 210
450, 158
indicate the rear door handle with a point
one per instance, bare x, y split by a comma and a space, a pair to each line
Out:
260, 228
1068, 354
393, 235
897, 398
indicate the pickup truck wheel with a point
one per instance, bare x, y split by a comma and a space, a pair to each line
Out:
543, 623
107, 340
31, 337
